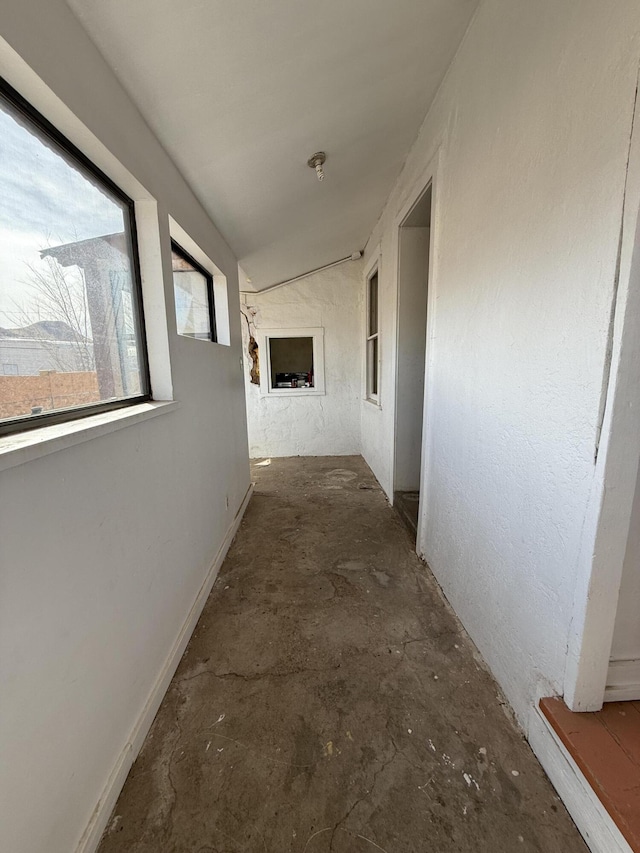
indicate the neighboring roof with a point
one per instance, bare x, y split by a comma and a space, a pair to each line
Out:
81, 252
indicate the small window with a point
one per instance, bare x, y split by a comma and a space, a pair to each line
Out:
71, 324
193, 293
294, 360
291, 361
372, 343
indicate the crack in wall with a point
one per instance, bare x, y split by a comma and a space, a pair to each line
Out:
606, 381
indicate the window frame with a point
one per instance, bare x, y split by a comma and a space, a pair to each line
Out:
369, 395
213, 339
317, 335
28, 422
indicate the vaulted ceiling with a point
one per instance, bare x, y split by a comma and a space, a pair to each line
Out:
242, 92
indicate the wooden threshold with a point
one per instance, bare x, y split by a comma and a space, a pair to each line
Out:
606, 747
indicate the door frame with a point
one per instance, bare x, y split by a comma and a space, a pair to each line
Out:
608, 516
429, 176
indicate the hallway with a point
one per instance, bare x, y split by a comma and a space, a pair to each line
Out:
329, 700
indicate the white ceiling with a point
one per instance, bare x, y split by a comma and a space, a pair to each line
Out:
242, 92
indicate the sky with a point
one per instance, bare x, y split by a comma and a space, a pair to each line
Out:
44, 201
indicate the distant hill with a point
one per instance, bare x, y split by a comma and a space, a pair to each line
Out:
44, 330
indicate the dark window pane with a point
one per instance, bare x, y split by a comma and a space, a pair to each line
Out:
291, 362
192, 293
69, 324
373, 304
372, 366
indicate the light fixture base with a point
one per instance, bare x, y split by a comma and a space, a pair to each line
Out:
318, 159
316, 162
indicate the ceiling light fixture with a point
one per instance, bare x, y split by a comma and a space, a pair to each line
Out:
317, 162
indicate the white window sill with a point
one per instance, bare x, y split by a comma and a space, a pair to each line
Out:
372, 402
32, 444
294, 392
203, 340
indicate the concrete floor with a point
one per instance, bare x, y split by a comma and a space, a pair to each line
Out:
330, 701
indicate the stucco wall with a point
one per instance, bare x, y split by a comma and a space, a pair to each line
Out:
104, 545
530, 132
324, 425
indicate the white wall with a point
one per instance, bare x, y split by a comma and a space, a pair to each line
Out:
326, 425
105, 545
529, 137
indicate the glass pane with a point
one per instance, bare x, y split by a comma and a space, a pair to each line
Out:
69, 331
191, 293
291, 362
373, 304
372, 367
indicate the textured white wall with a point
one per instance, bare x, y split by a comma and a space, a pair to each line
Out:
532, 125
105, 545
324, 425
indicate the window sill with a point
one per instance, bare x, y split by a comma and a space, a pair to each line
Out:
294, 392
26, 446
371, 402
203, 340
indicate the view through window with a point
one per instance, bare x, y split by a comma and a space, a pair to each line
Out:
70, 309
193, 294
291, 361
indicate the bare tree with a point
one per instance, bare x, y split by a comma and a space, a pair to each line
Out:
58, 295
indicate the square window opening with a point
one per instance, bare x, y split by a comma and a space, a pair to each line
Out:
291, 361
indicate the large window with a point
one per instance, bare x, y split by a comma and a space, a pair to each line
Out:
193, 293
71, 326
372, 343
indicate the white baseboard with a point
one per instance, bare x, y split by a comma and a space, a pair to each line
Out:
93, 833
590, 816
623, 681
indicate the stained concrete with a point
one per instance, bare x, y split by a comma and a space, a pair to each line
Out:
330, 701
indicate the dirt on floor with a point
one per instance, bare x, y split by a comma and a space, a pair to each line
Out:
330, 701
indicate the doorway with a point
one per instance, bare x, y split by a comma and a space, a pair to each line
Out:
414, 236
623, 674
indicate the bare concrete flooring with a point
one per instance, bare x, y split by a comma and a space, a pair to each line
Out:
330, 701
